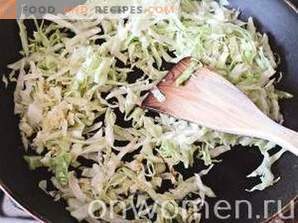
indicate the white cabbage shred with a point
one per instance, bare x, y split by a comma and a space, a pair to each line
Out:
76, 83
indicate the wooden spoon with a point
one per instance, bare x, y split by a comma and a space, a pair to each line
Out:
211, 101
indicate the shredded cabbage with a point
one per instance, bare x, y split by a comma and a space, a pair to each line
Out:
78, 88
5, 81
192, 67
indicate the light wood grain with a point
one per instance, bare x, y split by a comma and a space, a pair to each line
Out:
211, 101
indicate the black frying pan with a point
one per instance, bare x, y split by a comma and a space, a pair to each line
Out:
228, 179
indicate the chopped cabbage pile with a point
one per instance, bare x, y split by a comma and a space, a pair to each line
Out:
78, 88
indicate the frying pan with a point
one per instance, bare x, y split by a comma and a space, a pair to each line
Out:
228, 179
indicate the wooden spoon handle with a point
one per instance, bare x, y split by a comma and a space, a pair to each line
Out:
284, 137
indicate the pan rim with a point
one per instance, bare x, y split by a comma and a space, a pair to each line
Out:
21, 204
41, 219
